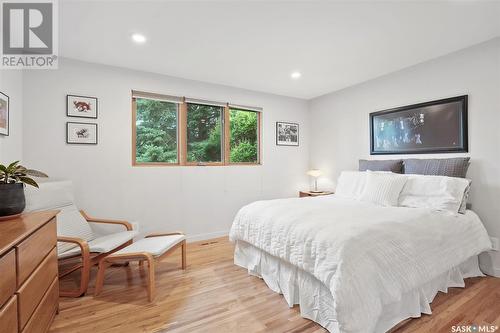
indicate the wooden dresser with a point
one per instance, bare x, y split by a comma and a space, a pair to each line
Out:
29, 287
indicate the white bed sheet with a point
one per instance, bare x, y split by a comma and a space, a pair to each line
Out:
367, 256
316, 302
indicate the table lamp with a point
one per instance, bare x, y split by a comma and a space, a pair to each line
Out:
315, 173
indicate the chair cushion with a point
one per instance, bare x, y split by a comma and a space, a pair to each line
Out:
154, 245
103, 244
58, 194
50, 195
70, 223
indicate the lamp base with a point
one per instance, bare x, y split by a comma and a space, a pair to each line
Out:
316, 191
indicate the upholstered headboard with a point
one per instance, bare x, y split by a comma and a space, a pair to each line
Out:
451, 167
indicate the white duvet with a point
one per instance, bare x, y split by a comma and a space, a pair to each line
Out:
365, 254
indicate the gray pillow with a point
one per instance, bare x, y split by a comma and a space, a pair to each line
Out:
381, 165
451, 167
463, 206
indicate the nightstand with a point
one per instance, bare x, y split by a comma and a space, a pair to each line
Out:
303, 194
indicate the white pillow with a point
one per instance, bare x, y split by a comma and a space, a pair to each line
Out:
383, 188
439, 193
351, 184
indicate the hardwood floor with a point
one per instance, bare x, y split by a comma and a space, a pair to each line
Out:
214, 295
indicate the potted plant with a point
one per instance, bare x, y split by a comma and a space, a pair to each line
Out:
12, 180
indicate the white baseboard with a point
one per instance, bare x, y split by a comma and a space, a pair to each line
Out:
210, 235
491, 271
489, 262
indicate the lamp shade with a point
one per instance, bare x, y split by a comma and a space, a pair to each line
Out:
315, 173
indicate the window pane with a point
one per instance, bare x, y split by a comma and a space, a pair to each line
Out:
156, 125
244, 136
204, 133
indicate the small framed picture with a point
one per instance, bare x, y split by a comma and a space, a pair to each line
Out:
4, 114
81, 106
287, 134
81, 133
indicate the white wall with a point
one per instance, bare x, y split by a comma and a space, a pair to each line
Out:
11, 84
201, 201
340, 124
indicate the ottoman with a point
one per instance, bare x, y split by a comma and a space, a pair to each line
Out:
150, 249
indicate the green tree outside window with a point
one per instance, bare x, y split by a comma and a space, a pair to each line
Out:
244, 140
156, 126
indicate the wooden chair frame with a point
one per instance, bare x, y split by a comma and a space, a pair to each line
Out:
141, 257
88, 259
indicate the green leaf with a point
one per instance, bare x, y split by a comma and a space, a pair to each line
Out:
29, 181
3, 168
13, 164
35, 173
12, 167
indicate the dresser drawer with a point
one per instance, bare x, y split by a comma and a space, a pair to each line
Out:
45, 312
8, 316
33, 249
7, 276
32, 291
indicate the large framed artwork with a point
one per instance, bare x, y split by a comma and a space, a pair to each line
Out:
81, 106
433, 127
81, 133
287, 134
4, 114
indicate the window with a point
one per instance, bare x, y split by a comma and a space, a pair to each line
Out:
204, 135
156, 131
169, 130
244, 133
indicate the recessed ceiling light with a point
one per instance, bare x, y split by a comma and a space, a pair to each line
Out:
295, 75
138, 38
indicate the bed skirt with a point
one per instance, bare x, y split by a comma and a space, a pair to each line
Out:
316, 302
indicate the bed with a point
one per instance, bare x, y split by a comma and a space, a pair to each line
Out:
357, 266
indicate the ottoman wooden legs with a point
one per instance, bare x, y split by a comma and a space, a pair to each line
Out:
143, 256
140, 257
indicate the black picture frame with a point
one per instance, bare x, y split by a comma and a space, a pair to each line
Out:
283, 143
82, 143
70, 96
5, 97
461, 103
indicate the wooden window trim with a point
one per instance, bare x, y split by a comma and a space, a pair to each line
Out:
182, 140
202, 164
227, 136
182, 144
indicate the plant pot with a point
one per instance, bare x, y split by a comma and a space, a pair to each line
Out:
12, 201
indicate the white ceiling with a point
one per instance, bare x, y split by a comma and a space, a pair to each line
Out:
256, 44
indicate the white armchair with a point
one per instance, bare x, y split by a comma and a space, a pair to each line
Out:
77, 238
